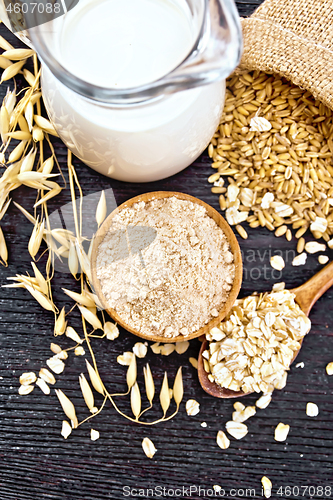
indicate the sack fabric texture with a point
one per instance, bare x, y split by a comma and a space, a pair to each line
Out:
293, 38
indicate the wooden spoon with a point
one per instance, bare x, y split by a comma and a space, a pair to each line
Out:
306, 295
234, 248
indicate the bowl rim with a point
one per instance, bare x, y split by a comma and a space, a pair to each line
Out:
234, 248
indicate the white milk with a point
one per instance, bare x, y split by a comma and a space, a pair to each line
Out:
122, 44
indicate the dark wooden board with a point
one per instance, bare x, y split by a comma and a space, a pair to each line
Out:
36, 463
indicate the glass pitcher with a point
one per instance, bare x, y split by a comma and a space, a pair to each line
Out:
135, 88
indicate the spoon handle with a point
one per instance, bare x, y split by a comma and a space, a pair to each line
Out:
308, 293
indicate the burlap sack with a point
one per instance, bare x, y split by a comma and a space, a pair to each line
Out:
293, 38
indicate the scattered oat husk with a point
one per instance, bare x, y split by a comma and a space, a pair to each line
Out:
300, 259
101, 209
194, 362
148, 447
136, 400
182, 347
167, 349
55, 364
131, 373
72, 334
25, 389
178, 389
192, 407
222, 440
87, 393
281, 432
164, 394
156, 348
43, 386
267, 486
243, 415
94, 435
277, 262
111, 330
236, 429
140, 350
28, 378
79, 351
329, 368
68, 407
95, 379
46, 375
66, 429
149, 383
323, 259
312, 410
125, 358
264, 401
55, 348
314, 247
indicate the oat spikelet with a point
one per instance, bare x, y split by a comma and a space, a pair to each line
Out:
45, 302
68, 407
36, 238
149, 383
40, 279
17, 152
37, 134
72, 334
4, 44
91, 318
44, 124
11, 71
148, 447
165, 394
28, 162
136, 400
131, 372
47, 166
101, 209
18, 54
95, 379
3, 248
51, 194
73, 263
60, 323
87, 393
178, 389
84, 300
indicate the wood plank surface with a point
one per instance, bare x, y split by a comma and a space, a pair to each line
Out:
36, 463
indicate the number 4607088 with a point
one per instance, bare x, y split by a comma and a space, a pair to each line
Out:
305, 491
40, 7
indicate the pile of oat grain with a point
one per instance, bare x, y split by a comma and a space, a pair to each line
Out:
181, 279
275, 145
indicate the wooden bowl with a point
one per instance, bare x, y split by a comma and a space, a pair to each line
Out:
234, 247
